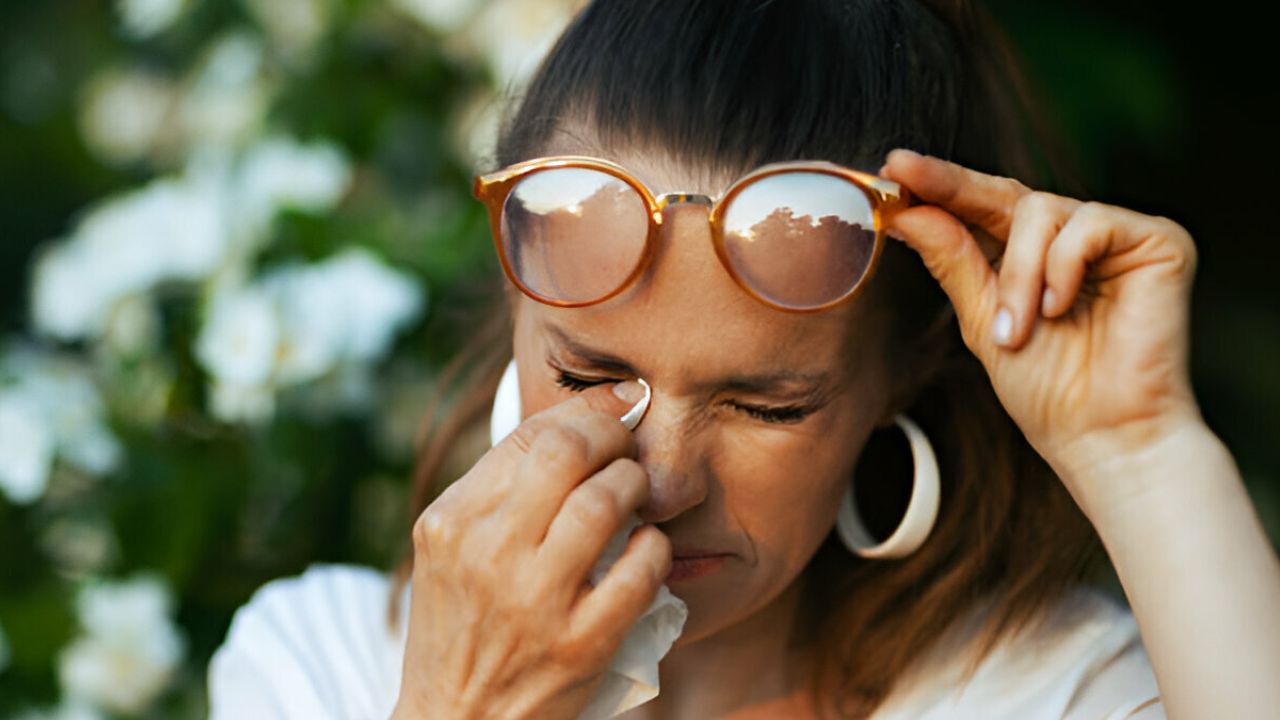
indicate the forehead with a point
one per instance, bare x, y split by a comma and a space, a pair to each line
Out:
661, 171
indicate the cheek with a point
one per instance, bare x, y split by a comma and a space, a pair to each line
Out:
784, 493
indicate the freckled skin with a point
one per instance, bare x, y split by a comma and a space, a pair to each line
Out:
720, 478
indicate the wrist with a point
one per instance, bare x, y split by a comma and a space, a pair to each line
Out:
1114, 478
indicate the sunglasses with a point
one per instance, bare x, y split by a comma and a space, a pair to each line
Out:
799, 236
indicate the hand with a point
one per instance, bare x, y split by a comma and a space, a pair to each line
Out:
502, 621
1091, 358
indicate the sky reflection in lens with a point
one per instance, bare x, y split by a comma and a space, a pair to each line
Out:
573, 234
800, 239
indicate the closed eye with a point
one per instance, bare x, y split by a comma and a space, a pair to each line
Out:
575, 383
786, 414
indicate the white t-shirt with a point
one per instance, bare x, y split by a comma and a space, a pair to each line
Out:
318, 646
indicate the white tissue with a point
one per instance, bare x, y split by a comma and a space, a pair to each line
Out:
633, 675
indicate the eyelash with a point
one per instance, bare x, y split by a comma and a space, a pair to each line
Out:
780, 415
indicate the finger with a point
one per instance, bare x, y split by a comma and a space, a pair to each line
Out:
1114, 241
976, 198
611, 399
588, 519
953, 257
606, 612
487, 485
562, 458
496, 465
1037, 218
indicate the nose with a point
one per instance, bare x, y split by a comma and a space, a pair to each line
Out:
669, 452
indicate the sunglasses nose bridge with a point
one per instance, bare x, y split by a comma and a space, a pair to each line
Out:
663, 201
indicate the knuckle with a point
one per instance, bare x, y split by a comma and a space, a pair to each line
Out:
1094, 212
607, 426
559, 442
1174, 229
630, 473
432, 529
525, 435
593, 505
1036, 202
583, 649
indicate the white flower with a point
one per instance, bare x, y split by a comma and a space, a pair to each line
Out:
49, 406
228, 96
26, 448
280, 172
240, 339
372, 301
172, 229
145, 18
241, 403
123, 113
129, 649
301, 323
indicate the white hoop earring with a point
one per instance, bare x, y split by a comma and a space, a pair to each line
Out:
506, 405
922, 509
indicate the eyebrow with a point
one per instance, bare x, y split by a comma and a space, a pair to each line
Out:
812, 387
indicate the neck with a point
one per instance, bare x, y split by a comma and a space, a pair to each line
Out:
746, 670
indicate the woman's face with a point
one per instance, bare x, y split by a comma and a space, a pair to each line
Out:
757, 415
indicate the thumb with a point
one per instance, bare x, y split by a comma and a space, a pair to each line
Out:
952, 255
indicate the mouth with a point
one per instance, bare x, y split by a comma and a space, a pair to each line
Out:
694, 564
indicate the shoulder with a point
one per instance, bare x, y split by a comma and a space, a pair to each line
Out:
1084, 659
315, 645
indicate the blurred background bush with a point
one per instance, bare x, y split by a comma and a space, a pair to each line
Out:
233, 231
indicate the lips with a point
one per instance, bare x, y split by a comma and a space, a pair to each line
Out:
692, 553
689, 564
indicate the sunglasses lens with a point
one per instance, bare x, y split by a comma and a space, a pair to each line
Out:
573, 234
800, 239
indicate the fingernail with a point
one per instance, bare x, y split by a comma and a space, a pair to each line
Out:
906, 152
1002, 328
1047, 301
631, 391
632, 417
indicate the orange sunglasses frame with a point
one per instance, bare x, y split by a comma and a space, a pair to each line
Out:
493, 188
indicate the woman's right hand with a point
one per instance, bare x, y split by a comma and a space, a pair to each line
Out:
503, 623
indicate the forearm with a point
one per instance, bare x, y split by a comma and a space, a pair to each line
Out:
1199, 572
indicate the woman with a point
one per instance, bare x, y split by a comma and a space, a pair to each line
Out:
1032, 348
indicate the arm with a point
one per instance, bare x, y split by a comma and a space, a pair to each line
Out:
1081, 320
1198, 570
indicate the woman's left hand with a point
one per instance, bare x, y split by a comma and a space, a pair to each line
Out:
1091, 359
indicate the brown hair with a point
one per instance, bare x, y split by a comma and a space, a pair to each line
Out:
728, 85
